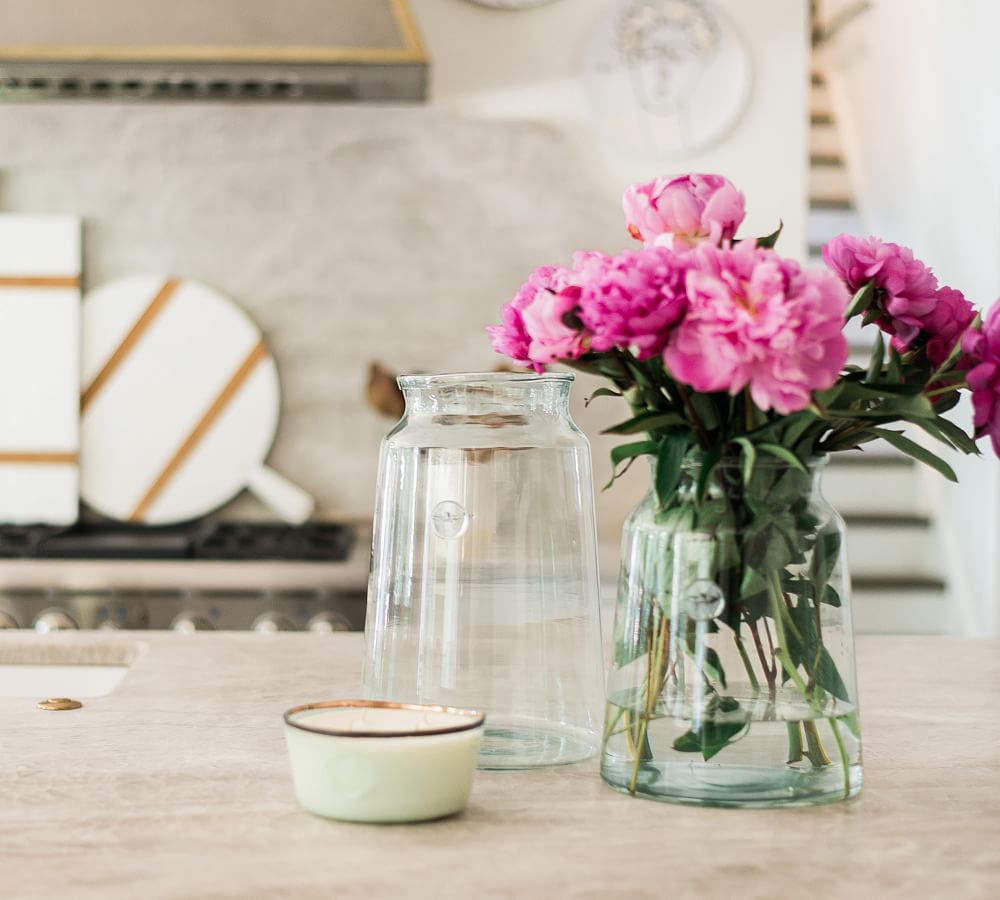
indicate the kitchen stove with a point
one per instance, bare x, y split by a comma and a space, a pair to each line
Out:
221, 575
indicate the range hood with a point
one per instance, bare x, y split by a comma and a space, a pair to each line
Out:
319, 50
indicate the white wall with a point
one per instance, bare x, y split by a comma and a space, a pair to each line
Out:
524, 64
916, 88
391, 233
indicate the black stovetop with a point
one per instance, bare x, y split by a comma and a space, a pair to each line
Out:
203, 540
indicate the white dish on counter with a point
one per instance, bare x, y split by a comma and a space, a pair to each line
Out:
374, 761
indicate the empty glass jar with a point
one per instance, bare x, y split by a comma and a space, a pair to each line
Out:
484, 588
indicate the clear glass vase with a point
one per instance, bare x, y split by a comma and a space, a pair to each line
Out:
732, 681
484, 588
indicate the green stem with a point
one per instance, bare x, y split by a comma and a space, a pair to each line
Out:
947, 389
779, 611
817, 753
842, 750
794, 741
610, 729
699, 426
747, 664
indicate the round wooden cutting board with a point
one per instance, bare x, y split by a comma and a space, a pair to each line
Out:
180, 404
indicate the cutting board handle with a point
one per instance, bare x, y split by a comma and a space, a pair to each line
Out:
288, 500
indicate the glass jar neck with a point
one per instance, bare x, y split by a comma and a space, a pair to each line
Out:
728, 476
487, 395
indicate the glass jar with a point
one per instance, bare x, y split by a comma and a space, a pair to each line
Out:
732, 681
484, 588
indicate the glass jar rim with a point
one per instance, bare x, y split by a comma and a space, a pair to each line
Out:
484, 378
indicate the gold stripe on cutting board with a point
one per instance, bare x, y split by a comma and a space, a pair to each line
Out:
40, 281
201, 428
140, 327
38, 457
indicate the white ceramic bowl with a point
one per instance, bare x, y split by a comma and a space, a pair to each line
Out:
373, 761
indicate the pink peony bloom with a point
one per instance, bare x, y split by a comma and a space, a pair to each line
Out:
532, 330
982, 347
755, 319
632, 300
683, 210
948, 319
908, 290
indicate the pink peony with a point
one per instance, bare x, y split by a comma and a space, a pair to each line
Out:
683, 210
755, 319
532, 330
908, 298
948, 319
630, 301
982, 346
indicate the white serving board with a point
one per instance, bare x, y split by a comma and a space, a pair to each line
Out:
180, 403
39, 369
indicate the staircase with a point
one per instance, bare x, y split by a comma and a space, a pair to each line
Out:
899, 582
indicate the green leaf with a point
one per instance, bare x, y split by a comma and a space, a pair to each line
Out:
895, 371
895, 406
716, 732
669, 457
711, 457
768, 241
785, 454
713, 666
647, 421
949, 433
704, 406
625, 452
861, 300
807, 650
826, 553
911, 448
797, 425
749, 457
830, 596
878, 352
601, 392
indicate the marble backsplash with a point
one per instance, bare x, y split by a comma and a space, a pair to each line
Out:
349, 234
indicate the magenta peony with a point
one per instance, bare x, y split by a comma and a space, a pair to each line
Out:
632, 300
683, 211
945, 324
911, 306
982, 348
532, 330
759, 321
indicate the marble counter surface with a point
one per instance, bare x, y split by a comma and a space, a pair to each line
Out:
176, 786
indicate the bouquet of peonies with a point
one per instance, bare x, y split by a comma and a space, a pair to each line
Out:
734, 362
722, 344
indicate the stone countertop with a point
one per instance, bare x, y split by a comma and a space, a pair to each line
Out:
177, 786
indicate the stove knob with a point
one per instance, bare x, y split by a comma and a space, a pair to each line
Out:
272, 622
187, 623
7, 620
54, 619
327, 622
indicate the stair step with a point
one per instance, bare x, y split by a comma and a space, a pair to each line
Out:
819, 101
824, 139
829, 185
901, 607
825, 223
884, 546
833, 201
881, 486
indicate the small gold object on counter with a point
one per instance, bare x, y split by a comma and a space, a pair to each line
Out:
59, 703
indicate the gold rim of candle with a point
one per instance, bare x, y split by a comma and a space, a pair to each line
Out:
476, 718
